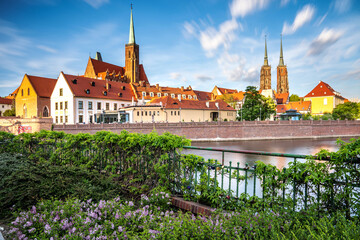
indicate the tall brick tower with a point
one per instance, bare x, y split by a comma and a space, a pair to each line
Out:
265, 72
282, 74
132, 55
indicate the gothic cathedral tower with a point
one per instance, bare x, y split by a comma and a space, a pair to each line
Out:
282, 74
265, 73
132, 55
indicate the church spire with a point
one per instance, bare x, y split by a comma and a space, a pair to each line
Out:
281, 62
132, 32
266, 63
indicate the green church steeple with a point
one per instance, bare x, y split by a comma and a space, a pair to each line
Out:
281, 62
132, 32
266, 63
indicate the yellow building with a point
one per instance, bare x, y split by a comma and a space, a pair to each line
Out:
323, 99
33, 97
167, 109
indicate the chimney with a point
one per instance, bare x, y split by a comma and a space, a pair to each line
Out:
182, 88
157, 86
107, 86
98, 56
160, 89
207, 104
141, 83
226, 91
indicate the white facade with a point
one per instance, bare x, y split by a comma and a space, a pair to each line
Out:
3, 108
70, 109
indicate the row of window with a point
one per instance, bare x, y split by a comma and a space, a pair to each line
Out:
146, 113
61, 119
63, 105
98, 106
173, 95
22, 92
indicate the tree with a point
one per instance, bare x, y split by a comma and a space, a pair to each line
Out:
256, 106
229, 99
294, 98
9, 112
348, 110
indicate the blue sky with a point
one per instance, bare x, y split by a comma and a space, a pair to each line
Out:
201, 43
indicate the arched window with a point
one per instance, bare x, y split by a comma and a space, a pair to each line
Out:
24, 111
46, 112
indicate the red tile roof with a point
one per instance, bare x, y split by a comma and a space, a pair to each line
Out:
158, 89
13, 94
227, 90
5, 101
43, 86
97, 91
298, 106
171, 103
323, 89
281, 98
101, 67
202, 96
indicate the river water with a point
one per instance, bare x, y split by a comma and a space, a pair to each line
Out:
293, 146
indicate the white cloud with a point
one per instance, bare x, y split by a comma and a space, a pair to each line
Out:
342, 6
321, 20
203, 77
211, 39
241, 8
284, 2
175, 75
46, 49
302, 17
96, 3
326, 38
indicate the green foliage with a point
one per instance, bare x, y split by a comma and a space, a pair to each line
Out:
9, 112
256, 106
348, 110
327, 116
23, 183
294, 98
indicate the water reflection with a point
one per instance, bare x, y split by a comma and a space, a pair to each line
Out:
294, 146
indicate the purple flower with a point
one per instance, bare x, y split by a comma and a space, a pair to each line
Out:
31, 230
47, 228
28, 224
131, 204
33, 210
120, 228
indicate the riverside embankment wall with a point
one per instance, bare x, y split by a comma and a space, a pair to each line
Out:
227, 131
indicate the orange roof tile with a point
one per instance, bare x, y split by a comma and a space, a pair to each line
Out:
171, 103
158, 89
13, 94
239, 96
298, 106
97, 91
43, 86
101, 67
281, 98
323, 89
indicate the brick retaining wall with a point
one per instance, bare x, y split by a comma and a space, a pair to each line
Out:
230, 130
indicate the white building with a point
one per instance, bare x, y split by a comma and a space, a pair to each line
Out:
5, 104
78, 99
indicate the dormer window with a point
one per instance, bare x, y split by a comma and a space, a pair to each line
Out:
159, 94
195, 97
92, 84
109, 85
190, 97
144, 94
184, 96
151, 94
312, 93
166, 94
105, 93
179, 95
87, 91
120, 94
123, 87
173, 95
74, 81
324, 92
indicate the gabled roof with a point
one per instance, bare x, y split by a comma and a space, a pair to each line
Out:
5, 101
13, 94
281, 98
297, 106
100, 67
171, 103
83, 84
323, 89
202, 96
226, 90
239, 96
43, 86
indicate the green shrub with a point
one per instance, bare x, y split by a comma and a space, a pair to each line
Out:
24, 183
